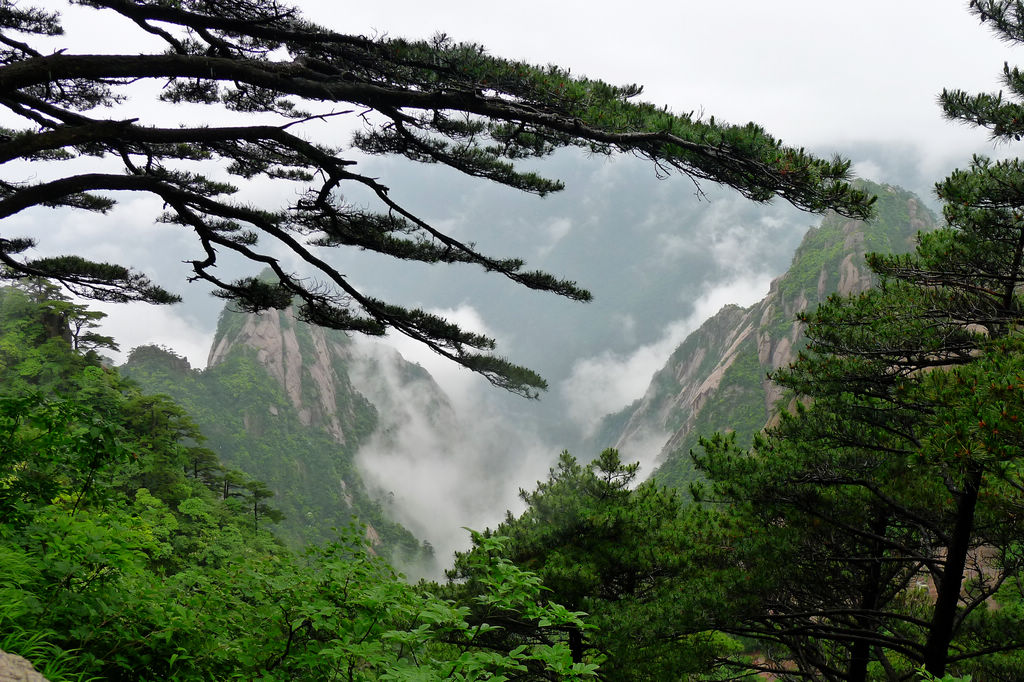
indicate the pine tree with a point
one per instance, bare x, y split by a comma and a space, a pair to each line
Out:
902, 465
436, 102
615, 551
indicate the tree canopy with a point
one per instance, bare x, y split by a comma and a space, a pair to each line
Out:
889, 501
435, 102
128, 551
620, 552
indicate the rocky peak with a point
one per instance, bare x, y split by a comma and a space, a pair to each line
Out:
322, 370
293, 405
716, 379
309, 363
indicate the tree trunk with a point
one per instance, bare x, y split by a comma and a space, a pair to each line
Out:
860, 652
940, 632
576, 645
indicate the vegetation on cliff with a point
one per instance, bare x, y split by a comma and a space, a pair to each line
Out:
304, 451
717, 379
128, 551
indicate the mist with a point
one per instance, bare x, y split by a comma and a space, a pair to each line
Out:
659, 258
442, 463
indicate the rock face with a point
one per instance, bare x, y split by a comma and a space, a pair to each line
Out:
328, 379
16, 669
290, 404
312, 372
716, 380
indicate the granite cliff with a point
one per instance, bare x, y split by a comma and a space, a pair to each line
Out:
716, 379
290, 404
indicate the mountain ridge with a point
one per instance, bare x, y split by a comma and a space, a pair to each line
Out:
716, 379
277, 400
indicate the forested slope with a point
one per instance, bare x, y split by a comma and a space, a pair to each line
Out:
129, 551
277, 401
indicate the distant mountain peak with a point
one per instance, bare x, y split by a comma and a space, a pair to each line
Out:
716, 379
291, 404
309, 363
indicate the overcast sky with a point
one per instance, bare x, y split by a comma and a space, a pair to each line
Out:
816, 73
857, 78
860, 79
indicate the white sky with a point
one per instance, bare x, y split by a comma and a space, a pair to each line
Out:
813, 72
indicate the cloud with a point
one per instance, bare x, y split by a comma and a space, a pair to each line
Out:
436, 484
556, 230
602, 384
644, 447
605, 383
436, 469
869, 170
458, 382
138, 324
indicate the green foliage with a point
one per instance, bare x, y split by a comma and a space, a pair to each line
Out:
925, 676
900, 465
129, 552
829, 254
249, 420
615, 552
54, 664
33, 349
886, 481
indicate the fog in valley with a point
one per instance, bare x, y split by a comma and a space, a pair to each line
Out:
659, 257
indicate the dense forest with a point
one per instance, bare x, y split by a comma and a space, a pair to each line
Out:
867, 525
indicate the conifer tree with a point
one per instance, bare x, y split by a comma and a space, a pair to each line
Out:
901, 470
435, 102
613, 550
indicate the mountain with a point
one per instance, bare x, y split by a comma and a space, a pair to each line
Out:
291, 404
716, 379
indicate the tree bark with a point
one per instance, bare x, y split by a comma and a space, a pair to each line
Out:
860, 652
576, 645
940, 633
